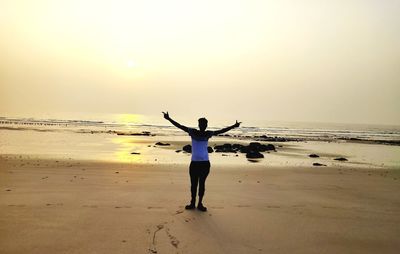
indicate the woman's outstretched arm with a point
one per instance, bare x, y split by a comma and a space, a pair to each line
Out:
178, 125
237, 124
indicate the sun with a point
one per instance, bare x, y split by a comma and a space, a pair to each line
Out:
131, 64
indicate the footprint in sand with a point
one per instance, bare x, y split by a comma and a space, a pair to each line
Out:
155, 207
56, 204
243, 206
91, 206
273, 206
189, 219
329, 207
295, 206
153, 245
173, 240
178, 212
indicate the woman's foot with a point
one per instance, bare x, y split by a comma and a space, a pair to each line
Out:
191, 206
201, 207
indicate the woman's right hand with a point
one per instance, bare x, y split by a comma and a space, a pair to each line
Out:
237, 124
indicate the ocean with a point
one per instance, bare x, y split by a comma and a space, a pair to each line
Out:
130, 123
131, 138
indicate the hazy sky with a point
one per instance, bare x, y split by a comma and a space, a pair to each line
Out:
310, 60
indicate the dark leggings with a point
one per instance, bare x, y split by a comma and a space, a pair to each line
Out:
198, 171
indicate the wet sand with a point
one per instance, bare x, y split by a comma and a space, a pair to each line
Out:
71, 206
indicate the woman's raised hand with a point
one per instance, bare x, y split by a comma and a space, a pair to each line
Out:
237, 124
166, 115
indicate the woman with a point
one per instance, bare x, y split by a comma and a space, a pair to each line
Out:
200, 165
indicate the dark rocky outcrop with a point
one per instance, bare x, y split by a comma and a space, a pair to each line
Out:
254, 155
270, 147
256, 146
272, 139
187, 148
253, 150
237, 147
135, 153
225, 148
313, 155
253, 146
162, 144
143, 133
317, 164
341, 159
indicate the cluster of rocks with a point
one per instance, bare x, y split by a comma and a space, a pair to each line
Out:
162, 144
272, 139
317, 164
252, 151
340, 159
313, 155
143, 133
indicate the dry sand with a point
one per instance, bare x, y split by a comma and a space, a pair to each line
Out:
69, 206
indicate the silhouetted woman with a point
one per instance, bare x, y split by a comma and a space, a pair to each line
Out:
200, 164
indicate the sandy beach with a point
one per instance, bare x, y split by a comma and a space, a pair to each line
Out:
77, 206
111, 113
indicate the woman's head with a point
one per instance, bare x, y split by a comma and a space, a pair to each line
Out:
203, 124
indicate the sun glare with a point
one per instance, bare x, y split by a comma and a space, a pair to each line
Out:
131, 64
126, 146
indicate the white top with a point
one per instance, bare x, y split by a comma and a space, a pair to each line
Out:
200, 144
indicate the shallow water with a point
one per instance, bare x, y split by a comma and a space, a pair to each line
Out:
112, 147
